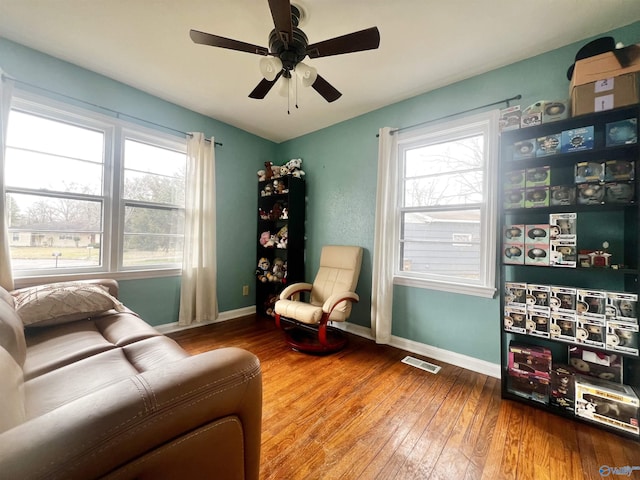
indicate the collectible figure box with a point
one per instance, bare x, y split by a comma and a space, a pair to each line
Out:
531, 119
591, 304
510, 118
529, 359
515, 319
563, 299
514, 179
585, 172
622, 307
607, 403
528, 386
563, 226
538, 177
536, 234
549, 145
513, 254
624, 132
622, 337
590, 332
537, 254
538, 296
577, 139
563, 253
619, 170
515, 293
619, 192
524, 149
514, 198
563, 327
605, 366
538, 322
589, 194
513, 234
562, 195
536, 197
555, 110
562, 387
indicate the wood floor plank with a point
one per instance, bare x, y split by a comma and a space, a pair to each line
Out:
362, 414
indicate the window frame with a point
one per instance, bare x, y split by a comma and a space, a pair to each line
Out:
115, 131
487, 125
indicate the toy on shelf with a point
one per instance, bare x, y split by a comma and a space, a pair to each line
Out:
263, 269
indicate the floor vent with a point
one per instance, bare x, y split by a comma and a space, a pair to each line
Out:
421, 364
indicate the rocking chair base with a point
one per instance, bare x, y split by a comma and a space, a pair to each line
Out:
305, 339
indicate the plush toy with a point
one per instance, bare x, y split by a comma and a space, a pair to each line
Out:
277, 270
294, 166
278, 187
263, 269
264, 238
284, 171
267, 191
285, 214
276, 211
268, 172
275, 170
282, 237
262, 175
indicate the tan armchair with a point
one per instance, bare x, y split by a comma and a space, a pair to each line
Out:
306, 324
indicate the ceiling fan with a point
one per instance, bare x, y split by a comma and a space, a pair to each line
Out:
288, 46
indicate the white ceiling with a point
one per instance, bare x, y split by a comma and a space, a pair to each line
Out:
425, 44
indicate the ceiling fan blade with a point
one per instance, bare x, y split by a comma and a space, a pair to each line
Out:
368, 39
263, 87
281, 13
325, 89
216, 41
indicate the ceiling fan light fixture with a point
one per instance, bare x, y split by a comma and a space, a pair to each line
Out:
307, 74
283, 89
270, 67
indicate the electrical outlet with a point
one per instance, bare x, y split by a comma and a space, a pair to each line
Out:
245, 290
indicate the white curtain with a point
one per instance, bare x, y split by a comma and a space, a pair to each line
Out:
198, 300
6, 277
383, 246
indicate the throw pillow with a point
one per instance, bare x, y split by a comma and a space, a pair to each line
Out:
62, 302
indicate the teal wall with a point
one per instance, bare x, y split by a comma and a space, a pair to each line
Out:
237, 161
341, 162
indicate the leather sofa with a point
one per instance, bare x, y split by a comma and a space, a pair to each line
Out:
110, 397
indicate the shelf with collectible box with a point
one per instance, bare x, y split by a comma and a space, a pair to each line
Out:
569, 267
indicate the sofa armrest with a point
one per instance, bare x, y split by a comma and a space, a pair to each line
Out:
110, 428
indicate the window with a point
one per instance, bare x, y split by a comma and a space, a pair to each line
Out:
87, 193
446, 206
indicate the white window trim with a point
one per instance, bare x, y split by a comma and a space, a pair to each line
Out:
115, 129
486, 123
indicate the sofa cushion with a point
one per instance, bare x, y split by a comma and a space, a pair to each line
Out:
11, 329
12, 398
62, 302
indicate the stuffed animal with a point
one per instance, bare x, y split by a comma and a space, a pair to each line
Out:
277, 270
264, 238
294, 166
268, 172
262, 175
282, 237
263, 269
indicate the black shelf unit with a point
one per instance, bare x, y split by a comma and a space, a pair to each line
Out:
619, 224
272, 218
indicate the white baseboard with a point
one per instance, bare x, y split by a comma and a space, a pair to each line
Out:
453, 358
222, 317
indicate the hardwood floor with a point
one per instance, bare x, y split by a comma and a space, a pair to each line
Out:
362, 414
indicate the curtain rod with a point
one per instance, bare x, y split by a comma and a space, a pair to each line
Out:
506, 100
116, 112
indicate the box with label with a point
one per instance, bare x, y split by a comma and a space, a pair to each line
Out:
589, 172
537, 254
590, 332
563, 326
607, 65
563, 226
514, 179
577, 139
619, 170
590, 194
605, 366
548, 145
622, 307
538, 322
513, 234
509, 118
591, 303
562, 388
536, 233
538, 177
605, 94
622, 337
563, 299
515, 293
528, 386
607, 403
623, 132
619, 192
515, 319
530, 119
538, 296
536, 197
515, 198
562, 195
531, 359
563, 253
524, 149
513, 253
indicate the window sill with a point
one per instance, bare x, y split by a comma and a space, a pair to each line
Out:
451, 287
21, 282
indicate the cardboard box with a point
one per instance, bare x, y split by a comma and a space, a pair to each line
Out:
562, 388
515, 319
563, 327
606, 65
606, 94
